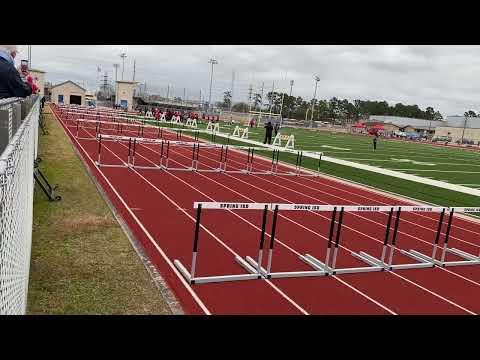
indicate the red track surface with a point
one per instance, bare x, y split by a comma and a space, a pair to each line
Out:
158, 206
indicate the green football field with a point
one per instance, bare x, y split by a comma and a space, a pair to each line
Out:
401, 156
457, 166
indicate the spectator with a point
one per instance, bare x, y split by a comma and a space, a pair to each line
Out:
277, 127
11, 84
268, 133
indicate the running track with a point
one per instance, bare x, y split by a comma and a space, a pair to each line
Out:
158, 207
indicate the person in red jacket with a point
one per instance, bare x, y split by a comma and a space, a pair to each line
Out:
30, 80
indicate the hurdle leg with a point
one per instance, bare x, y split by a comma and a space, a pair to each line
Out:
395, 231
437, 237
99, 149
447, 236
134, 151
258, 264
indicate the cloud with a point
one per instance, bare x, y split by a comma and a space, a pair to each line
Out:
444, 77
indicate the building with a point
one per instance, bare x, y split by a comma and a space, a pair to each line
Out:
124, 93
39, 75
90, 97
143, 102
406, 124
67, 93
460, 127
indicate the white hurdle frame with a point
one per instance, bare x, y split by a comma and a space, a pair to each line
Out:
468, 259
252, 272
369, 259
256, 270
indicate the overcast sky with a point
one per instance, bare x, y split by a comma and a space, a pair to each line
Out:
445, 77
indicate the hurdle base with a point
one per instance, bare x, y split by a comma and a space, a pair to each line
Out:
215, 279
284, 274
463, 254
317, 264
469, 258
369, 259
182, 270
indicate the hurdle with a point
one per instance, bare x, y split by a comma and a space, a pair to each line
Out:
329, 266
191, 123
290, 142
369, 259
266, 273
252, 274
277, 141
236, 131
468, 259
213, 127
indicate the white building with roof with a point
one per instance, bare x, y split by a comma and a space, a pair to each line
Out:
405, 122
460, 127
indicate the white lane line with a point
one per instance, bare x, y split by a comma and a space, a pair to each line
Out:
420, 286
139, 223
203, 227
342, 246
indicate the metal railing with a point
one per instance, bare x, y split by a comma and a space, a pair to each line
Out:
18, 149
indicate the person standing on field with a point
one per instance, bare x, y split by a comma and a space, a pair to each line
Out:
268, 133
375, 139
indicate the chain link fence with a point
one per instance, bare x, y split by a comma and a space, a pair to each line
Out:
18, 149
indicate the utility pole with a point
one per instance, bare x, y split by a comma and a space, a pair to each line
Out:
250, 90
134, 63
231, 94
213, 62
281, 109
464, 126
123, 56
184, 96
317, 79
271, 98
116, 70
261, 104
168, 91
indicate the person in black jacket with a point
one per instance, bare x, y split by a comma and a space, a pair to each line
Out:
268, 133
277, 127
375, 139
11, 84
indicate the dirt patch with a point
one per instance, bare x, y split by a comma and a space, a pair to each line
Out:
83, 223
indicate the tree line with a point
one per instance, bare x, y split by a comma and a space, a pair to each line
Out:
332, 110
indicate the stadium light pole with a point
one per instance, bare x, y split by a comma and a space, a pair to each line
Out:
317, 79
213, 62
123, 56
291, 86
